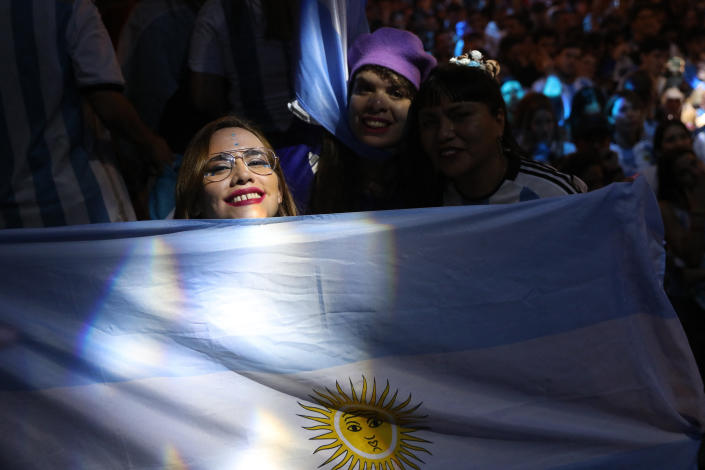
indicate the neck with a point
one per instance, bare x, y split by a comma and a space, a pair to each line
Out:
567, 79
481, 181
626, 141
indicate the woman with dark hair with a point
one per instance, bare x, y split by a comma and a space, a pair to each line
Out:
230, 171
460, 146
681, 182
386, 69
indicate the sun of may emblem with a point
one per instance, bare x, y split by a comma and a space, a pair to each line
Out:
367, 433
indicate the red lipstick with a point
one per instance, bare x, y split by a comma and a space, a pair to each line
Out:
245, 197
374, 129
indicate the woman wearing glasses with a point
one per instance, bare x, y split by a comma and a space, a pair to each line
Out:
230, 171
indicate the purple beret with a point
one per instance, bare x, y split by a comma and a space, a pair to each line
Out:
395, 49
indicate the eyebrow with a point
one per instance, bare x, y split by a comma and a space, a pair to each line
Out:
460, 107
456, 106
360, 414
360, 80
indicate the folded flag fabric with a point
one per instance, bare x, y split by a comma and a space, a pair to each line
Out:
525, 336
327, 28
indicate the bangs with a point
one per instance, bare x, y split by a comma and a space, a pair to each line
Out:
405, 86
459, 83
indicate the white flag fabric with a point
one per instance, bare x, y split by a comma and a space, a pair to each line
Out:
525, 336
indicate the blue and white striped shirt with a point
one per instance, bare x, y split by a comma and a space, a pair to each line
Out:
49, 51
525, 180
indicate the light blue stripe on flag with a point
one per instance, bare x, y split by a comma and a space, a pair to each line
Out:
534, 335
327, 27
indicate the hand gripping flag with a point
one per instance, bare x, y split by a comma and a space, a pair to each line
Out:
525, 336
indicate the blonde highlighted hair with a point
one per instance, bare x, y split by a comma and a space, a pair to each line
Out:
189, 185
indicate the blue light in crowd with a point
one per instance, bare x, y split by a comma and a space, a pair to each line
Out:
553, 87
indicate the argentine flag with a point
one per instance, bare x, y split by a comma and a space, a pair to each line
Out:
526, 336
326, 29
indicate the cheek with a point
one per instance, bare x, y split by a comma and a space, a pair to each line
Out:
401, 110
208, 200
354, 112
355, 108
385, 433
208, 194
275, 195
684, 180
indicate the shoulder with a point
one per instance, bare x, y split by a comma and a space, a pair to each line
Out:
211, 9
209, 40
546, 181
699, 145
582, 82
644, 145
538, 85
88, 44
211, 16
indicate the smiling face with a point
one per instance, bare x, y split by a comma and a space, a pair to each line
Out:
460, 137
377, 110
243, 194
366, 431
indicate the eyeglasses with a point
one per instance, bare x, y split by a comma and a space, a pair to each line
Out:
260, 161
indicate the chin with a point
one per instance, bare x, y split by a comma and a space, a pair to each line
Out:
252, 215
382, 142
454, 169
229, 213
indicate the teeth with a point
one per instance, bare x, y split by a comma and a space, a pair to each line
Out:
448, 152
245, 197
376, 124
